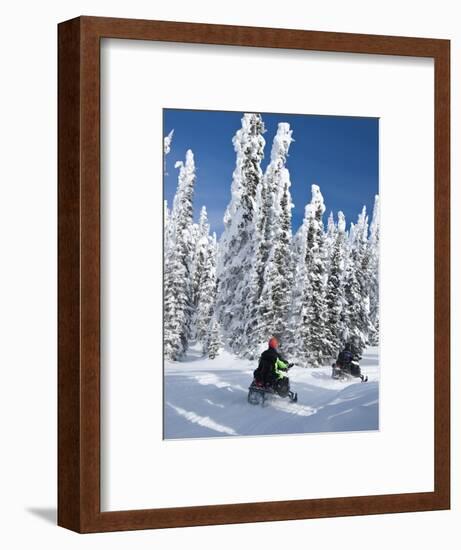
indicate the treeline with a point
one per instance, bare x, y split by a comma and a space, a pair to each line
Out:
316, 289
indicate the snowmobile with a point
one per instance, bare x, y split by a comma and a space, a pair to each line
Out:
347, 372
258, 392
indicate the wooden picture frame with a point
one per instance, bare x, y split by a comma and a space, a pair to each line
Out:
79, 274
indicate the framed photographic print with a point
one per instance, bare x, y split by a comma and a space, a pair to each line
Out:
253, 274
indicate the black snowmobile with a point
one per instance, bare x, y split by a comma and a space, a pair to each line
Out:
348, 370
258, 392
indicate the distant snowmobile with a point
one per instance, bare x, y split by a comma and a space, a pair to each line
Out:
347, 371
347, 364
258, 392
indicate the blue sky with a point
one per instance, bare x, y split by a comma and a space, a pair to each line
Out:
340, 154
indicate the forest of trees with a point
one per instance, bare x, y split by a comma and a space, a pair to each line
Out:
315, 289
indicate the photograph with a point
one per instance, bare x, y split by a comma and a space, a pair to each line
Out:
271, 273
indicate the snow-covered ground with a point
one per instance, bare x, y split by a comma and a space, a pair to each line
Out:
208, 398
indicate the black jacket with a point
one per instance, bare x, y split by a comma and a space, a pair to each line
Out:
345, 357
266, 365
271, 355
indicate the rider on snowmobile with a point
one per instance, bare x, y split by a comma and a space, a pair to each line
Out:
348, 360
345, 356
272, 366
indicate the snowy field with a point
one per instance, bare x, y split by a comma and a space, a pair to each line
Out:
208, 398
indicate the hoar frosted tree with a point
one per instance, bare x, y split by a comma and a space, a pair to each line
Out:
356, 315
275, 241
200, 258
313, 313
178, 259
334, 296
237, 285
206, 296
267, 302
373, 268
214, 341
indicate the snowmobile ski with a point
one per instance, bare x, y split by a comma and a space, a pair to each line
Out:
293, 396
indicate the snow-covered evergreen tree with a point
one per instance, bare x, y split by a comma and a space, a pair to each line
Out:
357, 285
171, 341
306, 327
275, 244
237, 284
201, 237
214, 343
292, 339
177, 285
205, 307
314, 311
374, 274
334, 333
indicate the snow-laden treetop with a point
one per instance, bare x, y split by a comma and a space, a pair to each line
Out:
361, 229
248, 140
249, 145
187, 168
341, 222
281, 143
204, 226
167, 142
316, 208
182, 204
317, 201
375, 221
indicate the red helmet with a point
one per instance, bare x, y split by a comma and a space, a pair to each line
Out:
273, 343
